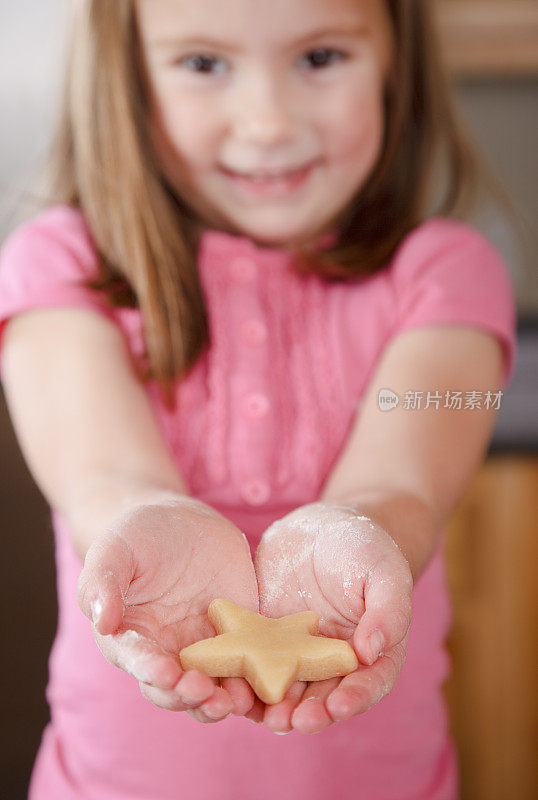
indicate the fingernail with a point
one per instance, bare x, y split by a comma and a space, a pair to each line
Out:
217, 715
190, 699
96, 607
281, 733
376, 642
185, 700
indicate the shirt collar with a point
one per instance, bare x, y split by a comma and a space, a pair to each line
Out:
217, 245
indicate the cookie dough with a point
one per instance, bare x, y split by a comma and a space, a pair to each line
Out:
270, 653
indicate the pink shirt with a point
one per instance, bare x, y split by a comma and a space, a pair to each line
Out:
260, 422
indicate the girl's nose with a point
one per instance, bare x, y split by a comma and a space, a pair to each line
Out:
263, 114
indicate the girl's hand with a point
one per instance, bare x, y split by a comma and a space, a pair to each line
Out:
329, 559
149, 581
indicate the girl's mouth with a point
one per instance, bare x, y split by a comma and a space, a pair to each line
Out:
278, 185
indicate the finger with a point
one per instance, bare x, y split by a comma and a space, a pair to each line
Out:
257, 711
196, 714
210, 706
185, 695
241, 694
310, 715
218, 706
277, 716
195, 686
104, 581
388, 603
168, 699
140, 657
360, 690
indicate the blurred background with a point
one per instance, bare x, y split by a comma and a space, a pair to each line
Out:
491, 49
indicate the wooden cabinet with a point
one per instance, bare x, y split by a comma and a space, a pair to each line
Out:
492, 562
495, 38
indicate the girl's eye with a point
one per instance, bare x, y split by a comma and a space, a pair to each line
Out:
323, 56
204, 64
201, 63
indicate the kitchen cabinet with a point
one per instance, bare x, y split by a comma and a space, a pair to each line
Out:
492, 564
495, 38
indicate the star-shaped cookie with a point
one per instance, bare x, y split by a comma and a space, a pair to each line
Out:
270, 653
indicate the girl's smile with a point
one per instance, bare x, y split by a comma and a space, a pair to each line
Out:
270, 184
267, 117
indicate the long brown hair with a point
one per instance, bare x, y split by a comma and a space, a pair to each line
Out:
102, 162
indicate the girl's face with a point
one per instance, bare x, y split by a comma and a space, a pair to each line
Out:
268, 116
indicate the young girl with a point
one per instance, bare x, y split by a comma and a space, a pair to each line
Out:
259, 364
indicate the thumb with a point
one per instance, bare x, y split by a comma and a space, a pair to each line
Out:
388, 608
104, 581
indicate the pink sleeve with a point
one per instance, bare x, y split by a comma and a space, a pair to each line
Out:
447, 272
42, 262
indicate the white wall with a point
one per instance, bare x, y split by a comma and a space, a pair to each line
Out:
32, 51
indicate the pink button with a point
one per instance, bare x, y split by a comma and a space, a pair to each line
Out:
256, 404
253, 331
242, 268
256, 491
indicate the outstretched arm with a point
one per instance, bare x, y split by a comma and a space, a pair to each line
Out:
407, 468
354, 556
93, 446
